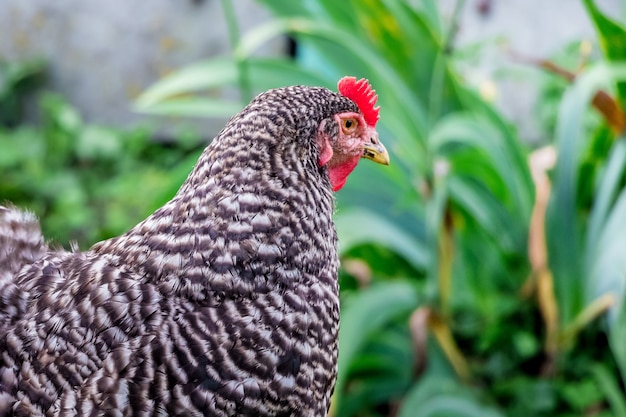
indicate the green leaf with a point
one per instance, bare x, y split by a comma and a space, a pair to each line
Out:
287, 8
607, 272
610, 386
617, 335
360, 226
365, 313
167, 95
193, 107
95, 142
380, 373
60, 114
612, 39
434, 396
201, 76
562, 235
484, 208
14, 72
459, 131
604, 198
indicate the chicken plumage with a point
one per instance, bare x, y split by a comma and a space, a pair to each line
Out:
224, 302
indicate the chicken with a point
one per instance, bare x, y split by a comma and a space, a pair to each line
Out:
223, 302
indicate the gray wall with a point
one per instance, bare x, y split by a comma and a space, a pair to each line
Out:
102, 54
533, 29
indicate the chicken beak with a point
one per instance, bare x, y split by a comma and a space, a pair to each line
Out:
375, 150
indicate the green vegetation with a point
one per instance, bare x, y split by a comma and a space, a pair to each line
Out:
483, 285
85, 182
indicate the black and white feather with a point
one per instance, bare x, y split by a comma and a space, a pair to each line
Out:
224, 302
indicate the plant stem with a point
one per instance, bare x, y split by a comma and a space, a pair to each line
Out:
446, 256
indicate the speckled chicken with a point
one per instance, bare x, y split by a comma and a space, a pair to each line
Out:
224, 302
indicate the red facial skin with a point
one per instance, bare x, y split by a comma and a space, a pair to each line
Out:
342, 156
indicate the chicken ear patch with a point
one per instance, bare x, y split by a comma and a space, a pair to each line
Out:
326, 151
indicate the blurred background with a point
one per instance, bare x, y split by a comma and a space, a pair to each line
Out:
490, 278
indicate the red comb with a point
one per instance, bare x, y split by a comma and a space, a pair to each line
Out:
363, 95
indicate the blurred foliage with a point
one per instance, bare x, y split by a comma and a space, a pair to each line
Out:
483, 284
17, 81
85, 182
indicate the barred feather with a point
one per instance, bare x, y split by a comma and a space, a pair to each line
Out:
224, 302
21, 244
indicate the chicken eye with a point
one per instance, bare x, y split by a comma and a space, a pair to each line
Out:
349, 125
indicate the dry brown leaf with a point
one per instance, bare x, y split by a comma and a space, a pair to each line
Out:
418, 325
541, 161
602, 101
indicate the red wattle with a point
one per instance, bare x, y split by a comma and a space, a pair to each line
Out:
339, 174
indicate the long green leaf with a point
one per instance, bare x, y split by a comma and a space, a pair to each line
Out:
360, 226
287, 8
384, 369
265, 73
562, 233
612, 38
485, 209
466, 130
435, 396
203, 75
365, 313
617, 335
605, 197
193, 107
608, 266
606, 380
452, 406
511, 144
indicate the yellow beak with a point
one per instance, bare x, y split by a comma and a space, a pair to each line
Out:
375, 151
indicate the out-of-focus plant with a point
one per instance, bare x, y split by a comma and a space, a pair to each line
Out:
17, 80
86, 182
